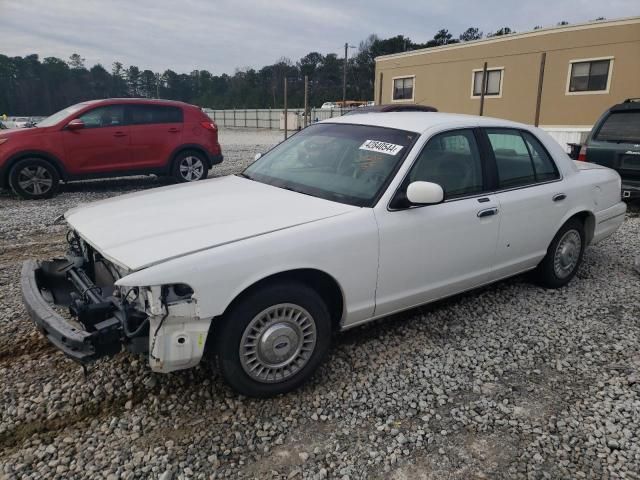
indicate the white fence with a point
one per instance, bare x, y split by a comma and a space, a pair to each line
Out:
269, 117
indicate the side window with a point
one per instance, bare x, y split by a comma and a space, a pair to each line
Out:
109, 116
543, 164
149, 114
520, 158
452, 160
514, 164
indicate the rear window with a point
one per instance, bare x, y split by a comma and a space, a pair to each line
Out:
146, 114
622, 127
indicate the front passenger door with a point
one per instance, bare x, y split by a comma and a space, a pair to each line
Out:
429, 252
103, 144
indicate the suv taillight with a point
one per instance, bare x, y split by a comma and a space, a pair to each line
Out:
209, 126
582, 156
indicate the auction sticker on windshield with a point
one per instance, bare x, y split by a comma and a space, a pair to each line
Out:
382, 147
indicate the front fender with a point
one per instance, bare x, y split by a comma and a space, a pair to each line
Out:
344, 247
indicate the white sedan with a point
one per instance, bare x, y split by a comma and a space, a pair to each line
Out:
347, 221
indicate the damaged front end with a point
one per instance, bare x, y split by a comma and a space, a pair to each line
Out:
76, 303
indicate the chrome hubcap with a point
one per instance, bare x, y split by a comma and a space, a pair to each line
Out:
191, 168
278, 343
35, 180
567, 254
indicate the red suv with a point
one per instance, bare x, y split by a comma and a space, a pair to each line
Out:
109, 138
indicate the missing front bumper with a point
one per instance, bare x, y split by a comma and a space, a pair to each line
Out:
98, 331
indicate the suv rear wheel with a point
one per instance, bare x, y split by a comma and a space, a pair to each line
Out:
190, 166
34, 178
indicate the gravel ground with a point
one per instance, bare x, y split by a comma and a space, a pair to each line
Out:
510, 381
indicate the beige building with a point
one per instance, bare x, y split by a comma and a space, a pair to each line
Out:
561, 78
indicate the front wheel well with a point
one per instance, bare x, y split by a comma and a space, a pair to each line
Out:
25, 156
323, 283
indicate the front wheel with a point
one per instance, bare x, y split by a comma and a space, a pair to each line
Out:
273, 339
190, 166
34, 179
564, 255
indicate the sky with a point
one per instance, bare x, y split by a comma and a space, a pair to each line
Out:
224, 35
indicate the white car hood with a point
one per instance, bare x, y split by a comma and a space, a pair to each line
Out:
145, 228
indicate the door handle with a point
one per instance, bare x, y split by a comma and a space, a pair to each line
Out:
487, 212
173, 130
119, 134
559, 197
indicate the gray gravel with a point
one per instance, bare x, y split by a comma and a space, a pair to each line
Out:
510, 381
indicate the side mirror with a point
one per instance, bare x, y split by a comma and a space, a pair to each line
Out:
424, 193
257, 157
75, 124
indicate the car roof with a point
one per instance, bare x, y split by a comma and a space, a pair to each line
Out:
630, 104
143, 101
419, 122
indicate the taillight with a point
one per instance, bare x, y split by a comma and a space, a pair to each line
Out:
209, 126
582, 156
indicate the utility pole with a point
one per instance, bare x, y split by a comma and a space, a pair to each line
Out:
344, 73
306, 99
286, 113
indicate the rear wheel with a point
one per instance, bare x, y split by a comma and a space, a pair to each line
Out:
273, 339
564, 255
34, 178
190, 166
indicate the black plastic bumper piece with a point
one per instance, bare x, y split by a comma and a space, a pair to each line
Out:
630, 189
81, 345
215, 159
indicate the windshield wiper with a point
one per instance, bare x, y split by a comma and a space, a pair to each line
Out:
244, 175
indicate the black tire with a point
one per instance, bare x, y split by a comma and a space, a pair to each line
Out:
190, 166
557, 269
34, 179
229, 335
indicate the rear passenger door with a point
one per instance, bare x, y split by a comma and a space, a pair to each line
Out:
531, 198
156, 131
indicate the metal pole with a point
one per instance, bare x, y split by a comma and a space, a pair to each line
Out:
306, 99
285, 108
257, 125
344, 75
483, 87
380, 91
543, 60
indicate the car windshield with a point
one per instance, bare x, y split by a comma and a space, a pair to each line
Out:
56, 117
339, 162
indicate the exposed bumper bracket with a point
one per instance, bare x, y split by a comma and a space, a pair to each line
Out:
83, 343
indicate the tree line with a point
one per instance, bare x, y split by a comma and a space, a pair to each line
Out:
30, 86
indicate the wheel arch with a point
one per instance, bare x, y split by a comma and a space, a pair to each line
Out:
184, 148
4, 180
588, 220
323, 283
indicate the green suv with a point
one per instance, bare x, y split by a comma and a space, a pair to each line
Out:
614, 142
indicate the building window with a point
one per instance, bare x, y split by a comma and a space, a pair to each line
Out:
589, 76
403, 88
494, 82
